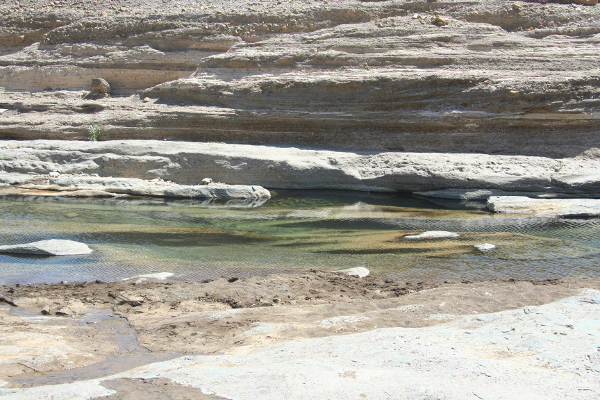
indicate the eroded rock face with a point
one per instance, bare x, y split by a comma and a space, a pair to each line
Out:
419, 78
139, 166
114, 186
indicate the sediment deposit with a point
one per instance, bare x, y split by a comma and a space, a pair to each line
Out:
306, 335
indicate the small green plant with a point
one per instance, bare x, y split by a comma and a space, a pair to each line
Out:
94, 131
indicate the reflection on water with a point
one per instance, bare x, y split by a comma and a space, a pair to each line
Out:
294, 230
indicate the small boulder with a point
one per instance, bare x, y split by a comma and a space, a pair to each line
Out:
361, 272
158, 275
438, 21
485, 247
207, 181
100, 88
433, 235
52, 247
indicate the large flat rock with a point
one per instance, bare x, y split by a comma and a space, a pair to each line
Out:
81, 185
545, 207
52, 247
280, 167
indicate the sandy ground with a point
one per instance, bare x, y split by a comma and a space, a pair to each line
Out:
56, 334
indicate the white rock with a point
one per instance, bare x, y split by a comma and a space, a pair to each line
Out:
545, 207
141, 187
304, 168
433, 235
361, 272
52, 247
157, 275
485, 247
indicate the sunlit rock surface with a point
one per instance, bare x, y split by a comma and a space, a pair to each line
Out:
514, 82
51, 247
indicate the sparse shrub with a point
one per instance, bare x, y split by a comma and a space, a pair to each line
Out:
94, 132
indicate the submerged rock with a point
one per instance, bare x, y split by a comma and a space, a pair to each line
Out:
433, 235
361, 272
52, 247
485, 247
161, 276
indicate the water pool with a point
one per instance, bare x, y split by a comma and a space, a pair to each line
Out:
295, 230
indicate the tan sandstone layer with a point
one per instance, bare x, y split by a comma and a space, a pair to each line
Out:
500, 78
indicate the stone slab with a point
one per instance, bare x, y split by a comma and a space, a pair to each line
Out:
545, 207
52, 247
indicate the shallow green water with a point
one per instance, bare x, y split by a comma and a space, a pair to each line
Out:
293, 231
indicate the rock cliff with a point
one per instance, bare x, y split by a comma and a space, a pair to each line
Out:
436, 88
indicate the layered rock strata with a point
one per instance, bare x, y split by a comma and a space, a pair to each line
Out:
43, 163
514, 83
82, 185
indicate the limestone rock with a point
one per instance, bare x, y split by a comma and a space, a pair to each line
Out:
96, 186
485, 247
438, 21
484, 194
545, 207
281, 167
52, 247
433, 235
353, 76
144, 277
361, 272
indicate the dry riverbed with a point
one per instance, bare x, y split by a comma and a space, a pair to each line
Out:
54, 334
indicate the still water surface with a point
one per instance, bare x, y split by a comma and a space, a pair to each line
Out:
295, 230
